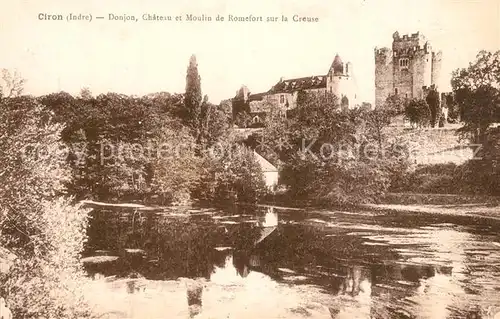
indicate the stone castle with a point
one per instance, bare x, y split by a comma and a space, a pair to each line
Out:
339, 81
408, 69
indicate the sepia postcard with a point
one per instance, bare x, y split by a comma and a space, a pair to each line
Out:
250, 159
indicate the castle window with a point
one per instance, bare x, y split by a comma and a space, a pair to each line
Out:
395, 90
404, 62
282, 99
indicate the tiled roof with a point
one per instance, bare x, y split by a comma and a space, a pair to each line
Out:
306, 83
256, 97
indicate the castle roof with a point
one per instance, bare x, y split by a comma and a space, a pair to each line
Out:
337, 65
305, 83
256, 97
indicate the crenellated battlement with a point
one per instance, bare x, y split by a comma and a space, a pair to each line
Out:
408, 37
406, 68
382, 51
409, 44
382, 55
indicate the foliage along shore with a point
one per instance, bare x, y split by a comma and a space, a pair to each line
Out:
58, 148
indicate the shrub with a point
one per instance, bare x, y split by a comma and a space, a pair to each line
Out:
176, 168
418, 112
37, 223
48, 281
231, 170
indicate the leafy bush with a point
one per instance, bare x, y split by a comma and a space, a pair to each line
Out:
472, 177
482, 175
176, 167
359, 162
37, 223
230, 171
48, 281
418, 113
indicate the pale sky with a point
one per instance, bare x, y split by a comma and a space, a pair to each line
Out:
145, 57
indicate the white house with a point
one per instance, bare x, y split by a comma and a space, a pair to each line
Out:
270, 171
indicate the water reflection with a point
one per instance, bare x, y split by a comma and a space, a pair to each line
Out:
301, 264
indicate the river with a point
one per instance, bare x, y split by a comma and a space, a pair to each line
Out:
271, 262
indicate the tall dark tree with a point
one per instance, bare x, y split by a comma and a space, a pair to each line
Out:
193, 98
432, 100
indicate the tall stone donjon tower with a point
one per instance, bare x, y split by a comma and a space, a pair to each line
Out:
408, 69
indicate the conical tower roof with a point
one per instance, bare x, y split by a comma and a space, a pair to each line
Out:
337, 65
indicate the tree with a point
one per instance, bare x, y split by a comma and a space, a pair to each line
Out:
432, 100
215, 121
242, 119
275, 141
85, 93
230, 170
38, 223
240, 105
302, 98
11, 84
166, 103
376, 121
176, 169
396, 104
366, 106
329, 154
193, 98
418, 112
476, 90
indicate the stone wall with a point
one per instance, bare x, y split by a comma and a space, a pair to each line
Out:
383, 75
433, 146
436, 67
405, 69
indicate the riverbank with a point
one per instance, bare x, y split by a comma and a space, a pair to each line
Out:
438, 199
450, 204
470, 210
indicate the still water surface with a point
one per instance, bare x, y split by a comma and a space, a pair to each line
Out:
271, 262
